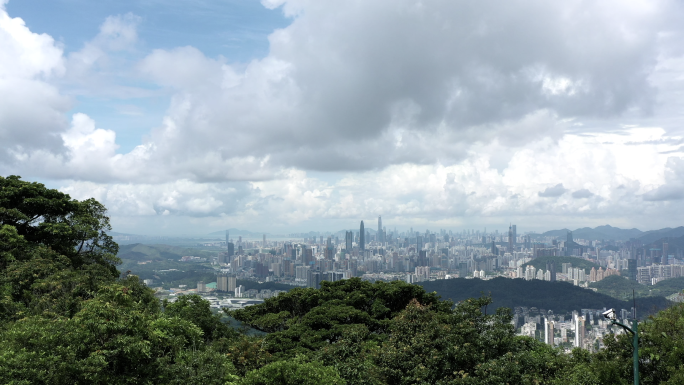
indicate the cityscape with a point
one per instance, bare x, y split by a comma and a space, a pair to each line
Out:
380, 254
375, 192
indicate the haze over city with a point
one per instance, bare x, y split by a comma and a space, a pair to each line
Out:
287, 116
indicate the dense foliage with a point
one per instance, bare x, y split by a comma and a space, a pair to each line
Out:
67, 317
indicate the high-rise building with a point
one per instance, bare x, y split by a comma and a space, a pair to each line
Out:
201, 287
422, 258
264, 244
511, 242
232, 283
313, 279
579, 331
419, 243
551, 268
515, 234
329, 251
380, 237
362, 237
222, 282
632, 269
348, 239
548, 331
227, 238
231, 249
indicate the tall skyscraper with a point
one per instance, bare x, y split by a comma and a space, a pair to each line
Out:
515, 234
231, 249
227, 238
510, 238
380, 237
419, 243
362, 237
348, 239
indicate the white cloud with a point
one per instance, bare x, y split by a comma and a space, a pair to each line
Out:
436, 112
470, 192
32, 110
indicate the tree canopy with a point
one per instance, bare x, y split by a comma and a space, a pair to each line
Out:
67, 316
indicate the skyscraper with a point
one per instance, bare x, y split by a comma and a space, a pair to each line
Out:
548, 331
515, 234
579, 331
380, 237
227, 238
348, 239
362, 237
510, 238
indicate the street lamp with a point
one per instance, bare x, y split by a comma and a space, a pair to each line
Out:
610, 314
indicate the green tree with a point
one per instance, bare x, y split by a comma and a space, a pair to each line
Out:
293, 372
198, 311
119, 337
42, 216
305, 320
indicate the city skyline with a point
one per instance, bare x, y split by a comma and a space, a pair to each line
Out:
291, 115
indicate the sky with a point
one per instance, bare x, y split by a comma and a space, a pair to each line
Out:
284, 116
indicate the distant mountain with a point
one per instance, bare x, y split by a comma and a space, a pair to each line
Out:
562, 233
561, 297
654, 235
598, 233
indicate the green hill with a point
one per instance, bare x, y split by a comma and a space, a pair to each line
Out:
140, 252
621, 288
540, 263
561, 297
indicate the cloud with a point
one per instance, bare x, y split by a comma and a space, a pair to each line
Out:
32, 109
583, 193
664, 193
425, 112
553, 192
420, 82
673, 188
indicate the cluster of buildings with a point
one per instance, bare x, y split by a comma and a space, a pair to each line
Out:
583, 329
417, 256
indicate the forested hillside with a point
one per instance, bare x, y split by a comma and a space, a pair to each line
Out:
561, 297
619, 287
67, 316
541, 263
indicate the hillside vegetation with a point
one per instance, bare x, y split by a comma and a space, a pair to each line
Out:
561, 297
540, 263
67, 316
621, 288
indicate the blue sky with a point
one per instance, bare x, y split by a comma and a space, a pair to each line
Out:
296, 115
236, 30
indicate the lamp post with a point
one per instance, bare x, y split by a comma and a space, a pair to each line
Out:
610, 314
